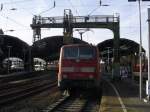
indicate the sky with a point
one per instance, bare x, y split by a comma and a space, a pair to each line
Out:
20, 19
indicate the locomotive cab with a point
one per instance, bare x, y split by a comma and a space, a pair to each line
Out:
79, 67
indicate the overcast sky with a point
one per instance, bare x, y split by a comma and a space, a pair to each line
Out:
21, 18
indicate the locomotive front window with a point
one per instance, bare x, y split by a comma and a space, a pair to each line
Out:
79, 52
86, 52
71, 52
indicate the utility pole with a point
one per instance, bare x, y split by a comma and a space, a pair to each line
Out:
148, 82
140, 53
140, 49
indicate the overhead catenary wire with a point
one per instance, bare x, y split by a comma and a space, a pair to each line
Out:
93, 11
28, 29
17, 1
12, 2
28, 11
45, 11
100, 4
73, 7
82, 3
14, 21
54, 5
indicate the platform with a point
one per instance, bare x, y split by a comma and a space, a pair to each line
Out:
122, 96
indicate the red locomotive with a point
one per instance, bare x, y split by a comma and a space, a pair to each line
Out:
79, 67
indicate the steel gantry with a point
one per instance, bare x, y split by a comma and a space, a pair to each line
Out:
68, 22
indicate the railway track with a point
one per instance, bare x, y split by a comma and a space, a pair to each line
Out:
20, 83
74, 104
17, 90
67, 104
14, 91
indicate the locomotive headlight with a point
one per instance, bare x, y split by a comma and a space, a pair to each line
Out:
68, 69
88, 69
91, 76
65, 76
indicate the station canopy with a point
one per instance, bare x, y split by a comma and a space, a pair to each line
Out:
48, 48
14, 44
127, 47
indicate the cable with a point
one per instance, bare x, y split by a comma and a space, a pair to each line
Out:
8, 18
45, 11
54, 5
28, 11
16, 2
100, 4
93, 10
73, 7
82, 3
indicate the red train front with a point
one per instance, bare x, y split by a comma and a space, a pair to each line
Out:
79, 67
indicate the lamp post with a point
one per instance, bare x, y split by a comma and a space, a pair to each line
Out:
13, 9
108, 54
108, 51
81, 33
11, 30
30, 59
24, 55
140, 53
140, 48
148, 82
9, 50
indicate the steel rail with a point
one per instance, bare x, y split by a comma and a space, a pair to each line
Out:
22, 82
68, 104
19, 94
